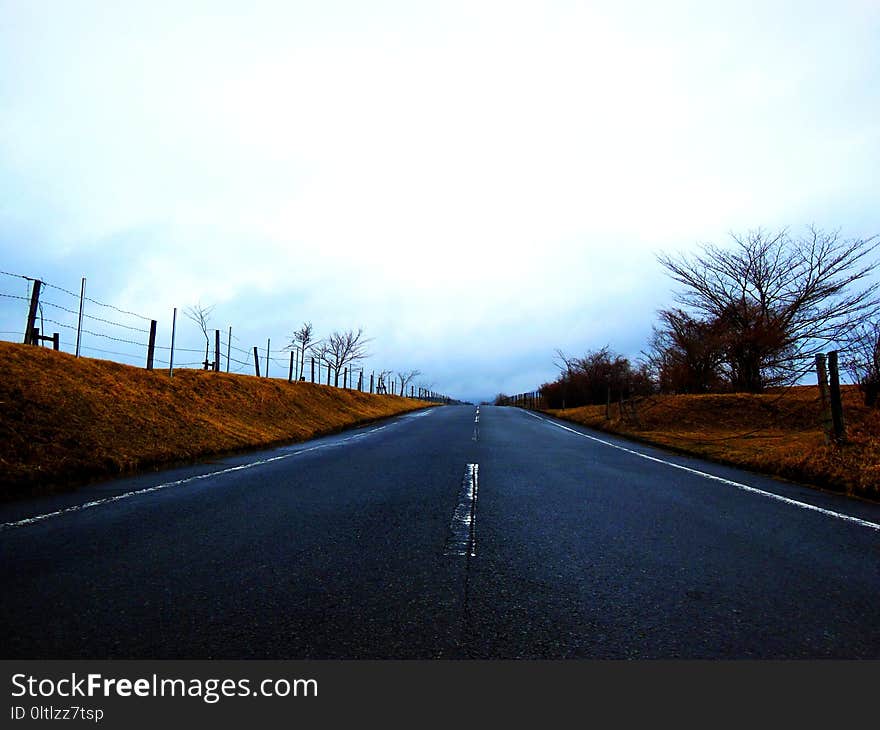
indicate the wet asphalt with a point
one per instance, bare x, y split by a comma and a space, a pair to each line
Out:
339, 548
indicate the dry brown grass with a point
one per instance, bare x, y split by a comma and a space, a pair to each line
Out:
777, 433
64, 421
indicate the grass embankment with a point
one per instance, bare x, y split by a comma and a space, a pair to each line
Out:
777, 433
65, 421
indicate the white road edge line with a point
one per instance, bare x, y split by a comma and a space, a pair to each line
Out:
738, 485
176, 483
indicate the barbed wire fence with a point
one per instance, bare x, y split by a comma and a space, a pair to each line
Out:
84, 326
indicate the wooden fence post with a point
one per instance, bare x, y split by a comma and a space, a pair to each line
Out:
56, 341
151, 347
32, 313
836, 402
824, 398
256, 361
290, 373
79, 321
216, 351
313, 368
345, 378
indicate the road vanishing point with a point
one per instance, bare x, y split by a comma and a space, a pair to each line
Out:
454, 532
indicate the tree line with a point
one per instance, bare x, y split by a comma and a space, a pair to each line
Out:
748, 317
339, 351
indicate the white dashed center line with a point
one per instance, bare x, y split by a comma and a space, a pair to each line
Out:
462, 540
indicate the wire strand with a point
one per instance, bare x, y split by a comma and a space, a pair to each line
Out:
96, 334
91, 316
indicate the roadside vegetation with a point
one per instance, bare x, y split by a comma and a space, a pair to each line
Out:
776, 432
66, 421
723, 373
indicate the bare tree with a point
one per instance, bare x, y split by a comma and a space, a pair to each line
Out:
202, 317
321, 352
780, 299
343, 349
686, 354
592, 379
564, 362
862, 360
406, 378
303, 340
383, 377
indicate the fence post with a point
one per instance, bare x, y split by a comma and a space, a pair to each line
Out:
56, 341
228, 347
151, 347
836, 402
32, 313
256, 361
328, 373
825, 401
313, 368
268, 343
79, 321
345, 378
173, 332
216, 367
290, 373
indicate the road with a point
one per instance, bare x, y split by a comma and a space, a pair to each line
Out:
447, 533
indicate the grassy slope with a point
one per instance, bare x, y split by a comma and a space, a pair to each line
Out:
65, 421
777, 433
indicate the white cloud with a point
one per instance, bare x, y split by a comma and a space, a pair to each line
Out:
458, 177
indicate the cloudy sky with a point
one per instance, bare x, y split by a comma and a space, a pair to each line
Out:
475, 183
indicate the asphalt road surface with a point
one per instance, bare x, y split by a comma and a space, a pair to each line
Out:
447, 533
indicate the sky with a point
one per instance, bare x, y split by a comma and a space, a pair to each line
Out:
475, 183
